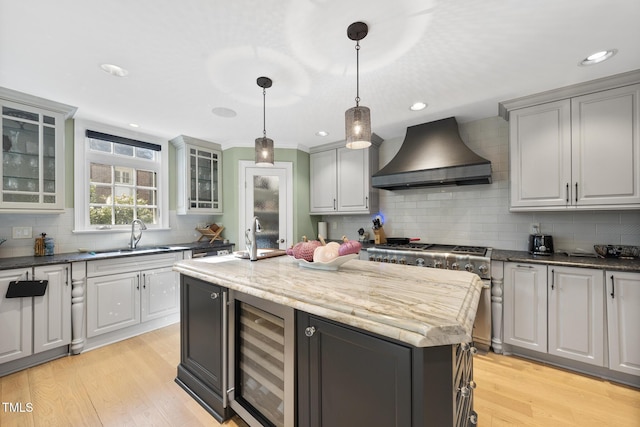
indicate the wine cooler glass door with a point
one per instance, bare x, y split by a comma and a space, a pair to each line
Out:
262, 377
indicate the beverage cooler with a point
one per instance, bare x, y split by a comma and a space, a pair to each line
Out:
262, 361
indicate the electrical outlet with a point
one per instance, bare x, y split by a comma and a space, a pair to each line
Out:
22, 232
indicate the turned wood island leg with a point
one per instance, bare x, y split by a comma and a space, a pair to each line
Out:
78, 283
497, 279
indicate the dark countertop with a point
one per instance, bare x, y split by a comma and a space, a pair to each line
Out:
632, 265
35, 261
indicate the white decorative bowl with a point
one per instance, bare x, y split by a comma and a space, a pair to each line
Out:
332, 265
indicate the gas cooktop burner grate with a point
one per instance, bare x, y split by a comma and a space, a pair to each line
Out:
472, 250
431, 247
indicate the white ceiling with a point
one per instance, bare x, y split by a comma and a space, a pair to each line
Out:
186, 57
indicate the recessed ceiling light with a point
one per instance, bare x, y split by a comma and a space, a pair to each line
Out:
597, 57
224, 112
114, 70
322, 133
134, 125
418, 106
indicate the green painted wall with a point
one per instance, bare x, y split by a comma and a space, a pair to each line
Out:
303, 223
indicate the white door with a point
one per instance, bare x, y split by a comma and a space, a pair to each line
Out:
267, 192
52, 311
606, 147
540, 155
15, 318
113, 302
623, 313
323, 181
576, 314
525, 306
353, 180
160, 293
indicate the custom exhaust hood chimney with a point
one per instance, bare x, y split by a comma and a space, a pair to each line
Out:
433, 154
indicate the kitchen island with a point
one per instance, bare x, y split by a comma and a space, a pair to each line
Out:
375, 343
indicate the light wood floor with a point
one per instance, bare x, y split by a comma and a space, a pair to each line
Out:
132, 383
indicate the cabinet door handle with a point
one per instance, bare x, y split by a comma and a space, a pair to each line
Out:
613, 287
138, 285
309, 331
366, 202
214, 295
567, 193
144, 280
335, 206
524, 266
576, 192
553, 279
67, 279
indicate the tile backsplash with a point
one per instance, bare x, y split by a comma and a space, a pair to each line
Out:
60, 227
479, 214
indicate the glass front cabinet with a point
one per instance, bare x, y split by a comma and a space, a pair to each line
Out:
32, 166
199, 176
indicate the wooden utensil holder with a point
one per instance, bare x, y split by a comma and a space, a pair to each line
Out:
379, 236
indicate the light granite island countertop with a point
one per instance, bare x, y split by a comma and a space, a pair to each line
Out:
422, 307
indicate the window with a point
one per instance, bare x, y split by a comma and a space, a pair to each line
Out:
120, 179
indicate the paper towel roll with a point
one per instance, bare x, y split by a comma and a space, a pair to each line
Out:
322, 229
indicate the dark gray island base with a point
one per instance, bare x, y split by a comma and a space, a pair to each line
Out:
344, 375
348, 377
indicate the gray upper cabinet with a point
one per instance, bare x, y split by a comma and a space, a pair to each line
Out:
32, 153
579, 152
198, 176
340, 179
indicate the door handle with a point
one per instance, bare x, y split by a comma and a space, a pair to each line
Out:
576, 192
613, 287
553, 279
567, 193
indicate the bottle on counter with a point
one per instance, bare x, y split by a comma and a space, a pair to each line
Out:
44, 245
38, 249
49, 246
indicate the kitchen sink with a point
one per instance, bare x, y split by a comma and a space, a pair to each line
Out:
138, 251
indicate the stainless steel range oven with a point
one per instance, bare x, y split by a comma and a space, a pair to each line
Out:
474, 259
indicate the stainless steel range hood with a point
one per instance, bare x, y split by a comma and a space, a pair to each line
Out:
433, 154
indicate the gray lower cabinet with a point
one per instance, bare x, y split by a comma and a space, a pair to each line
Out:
347, 377
202, 369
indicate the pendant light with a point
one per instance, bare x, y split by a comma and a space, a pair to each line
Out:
264, 145
358, 118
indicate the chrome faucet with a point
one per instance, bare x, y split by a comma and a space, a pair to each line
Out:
250, 238
135, 239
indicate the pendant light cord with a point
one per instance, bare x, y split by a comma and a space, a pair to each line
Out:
264, 112
357, 73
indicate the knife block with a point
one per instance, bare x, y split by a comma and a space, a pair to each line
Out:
379, 236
